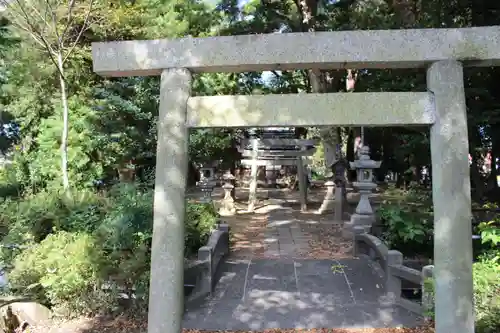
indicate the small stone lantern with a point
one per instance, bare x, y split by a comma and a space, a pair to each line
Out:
228, 208
206, 183
364, 166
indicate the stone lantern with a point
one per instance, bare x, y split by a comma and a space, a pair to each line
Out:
228, 208
206, 183
364, 166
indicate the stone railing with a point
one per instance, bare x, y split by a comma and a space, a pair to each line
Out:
395, 273
199, 275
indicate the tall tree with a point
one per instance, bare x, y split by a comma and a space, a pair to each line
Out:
56, 27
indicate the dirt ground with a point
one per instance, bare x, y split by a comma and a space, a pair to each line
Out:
126, 325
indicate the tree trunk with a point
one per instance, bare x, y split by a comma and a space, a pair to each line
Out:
329, 136
64, 135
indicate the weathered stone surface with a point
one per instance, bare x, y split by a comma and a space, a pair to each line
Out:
297, 294
247, 53
31, 312
452, 200
167, 249
356, 109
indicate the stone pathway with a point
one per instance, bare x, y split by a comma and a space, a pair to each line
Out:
290, 270
291, 234
278, 231
262, 294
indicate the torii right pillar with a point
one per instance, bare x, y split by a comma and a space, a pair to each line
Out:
454, 308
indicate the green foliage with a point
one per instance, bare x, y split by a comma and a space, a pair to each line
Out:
490, 232
209, 145
71, 247
486, 295
406, 230
486, 274
65, 269
200, 221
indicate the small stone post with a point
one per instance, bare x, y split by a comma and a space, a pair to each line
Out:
252, 195
363, 215
452, 200
301, 174
328, 204
166, 288
427, 291
393, 283
228, 208
339, 204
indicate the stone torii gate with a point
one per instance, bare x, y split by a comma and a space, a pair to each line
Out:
443, 52
266, 154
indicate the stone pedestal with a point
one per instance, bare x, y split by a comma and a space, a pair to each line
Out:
328, 204
207, 187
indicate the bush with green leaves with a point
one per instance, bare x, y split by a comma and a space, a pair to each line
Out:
70, 248
64, 270
201, 219
486, 274
487, 295
407, 230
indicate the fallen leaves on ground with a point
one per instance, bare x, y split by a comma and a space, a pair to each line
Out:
124, 324
327, 330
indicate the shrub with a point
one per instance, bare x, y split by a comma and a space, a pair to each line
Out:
201, 219
63, 269
486, 295
75, 246
486, 273
408, 231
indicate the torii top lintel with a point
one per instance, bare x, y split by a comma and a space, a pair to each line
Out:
479, 46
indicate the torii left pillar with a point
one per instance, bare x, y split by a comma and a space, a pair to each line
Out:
166, 289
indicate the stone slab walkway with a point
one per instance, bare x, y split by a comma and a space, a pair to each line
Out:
277, 231
291, 270
261, 294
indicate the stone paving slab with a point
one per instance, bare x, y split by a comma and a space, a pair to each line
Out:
274, 276
268, 293
321, 285
367, 285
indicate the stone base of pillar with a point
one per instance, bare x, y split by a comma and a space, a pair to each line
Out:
225, 211
328, 204
348, 229
339, 204
357, 220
